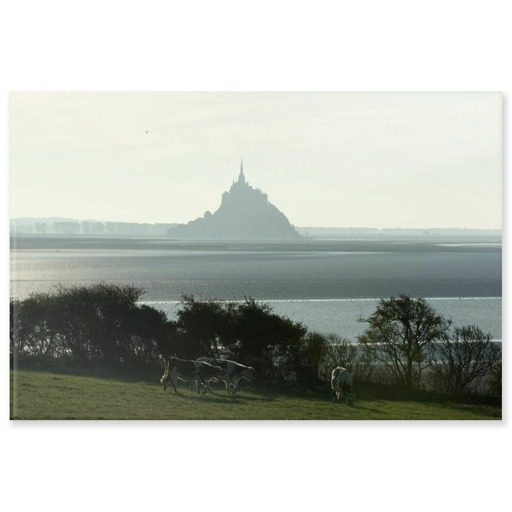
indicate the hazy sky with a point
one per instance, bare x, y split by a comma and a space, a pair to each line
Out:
324, 159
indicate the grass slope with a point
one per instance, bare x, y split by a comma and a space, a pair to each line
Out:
41, 395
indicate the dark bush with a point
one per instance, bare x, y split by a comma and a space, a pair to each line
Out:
467, 360
97, 324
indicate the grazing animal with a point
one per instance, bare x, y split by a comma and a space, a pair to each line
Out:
186, 370
341, 383
233, 372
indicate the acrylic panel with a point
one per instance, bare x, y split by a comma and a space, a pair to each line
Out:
255, 256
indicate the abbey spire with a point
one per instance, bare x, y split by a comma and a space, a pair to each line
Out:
241, 177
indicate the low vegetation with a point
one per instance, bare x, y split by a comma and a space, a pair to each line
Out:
408, 350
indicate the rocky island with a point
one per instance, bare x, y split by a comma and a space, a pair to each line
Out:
245, 213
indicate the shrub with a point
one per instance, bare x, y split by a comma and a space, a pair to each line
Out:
465, 360
97, 324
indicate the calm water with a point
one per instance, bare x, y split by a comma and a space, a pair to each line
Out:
326, 284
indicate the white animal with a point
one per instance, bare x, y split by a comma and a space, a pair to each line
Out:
233, 372
341, 383
190, 371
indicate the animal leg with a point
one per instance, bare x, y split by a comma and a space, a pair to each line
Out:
209, 387
174, 382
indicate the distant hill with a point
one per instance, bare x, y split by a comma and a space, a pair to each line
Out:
244, 214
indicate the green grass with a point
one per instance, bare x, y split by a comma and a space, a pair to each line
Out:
37, 395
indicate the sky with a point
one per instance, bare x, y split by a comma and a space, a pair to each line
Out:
380, 160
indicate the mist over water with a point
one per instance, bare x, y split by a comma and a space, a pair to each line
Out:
320, 283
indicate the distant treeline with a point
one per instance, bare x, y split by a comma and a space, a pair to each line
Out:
75, 227
63, 226
457, 232
406, 345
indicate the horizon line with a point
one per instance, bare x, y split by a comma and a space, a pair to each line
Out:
68, 219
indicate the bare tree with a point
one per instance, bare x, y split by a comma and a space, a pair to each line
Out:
338, 351
464, 357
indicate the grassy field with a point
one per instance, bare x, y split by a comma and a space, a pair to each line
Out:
39, 395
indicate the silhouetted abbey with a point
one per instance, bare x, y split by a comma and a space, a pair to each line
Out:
244, 214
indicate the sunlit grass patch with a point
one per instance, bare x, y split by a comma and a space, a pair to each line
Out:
40, 395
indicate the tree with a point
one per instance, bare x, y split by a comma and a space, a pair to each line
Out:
261, 333
208, 323
402, 332
495, 379
315, 349
148, 330
96, 324
33, 332
248, 332
338, 351
465, 356
94, 321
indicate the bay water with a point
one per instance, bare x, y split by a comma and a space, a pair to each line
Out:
329, 285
